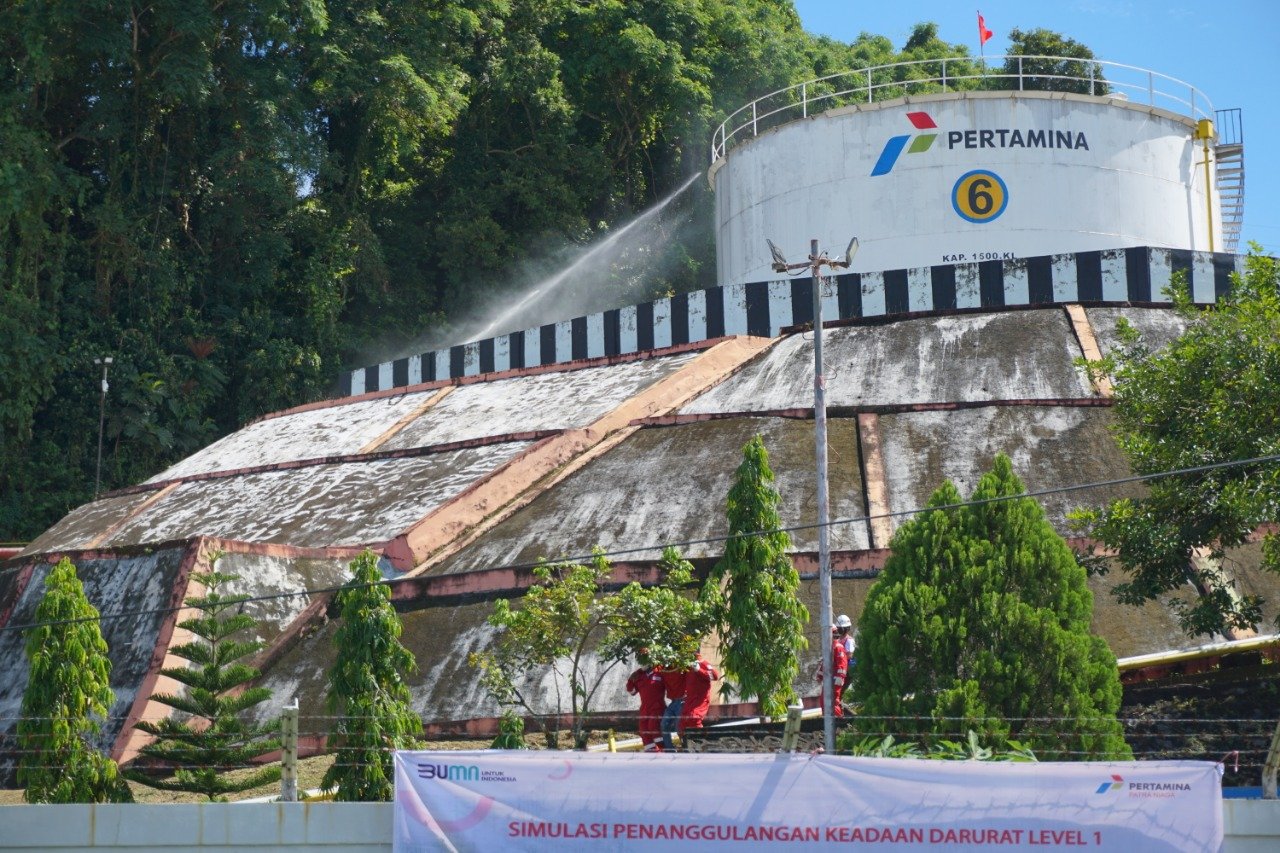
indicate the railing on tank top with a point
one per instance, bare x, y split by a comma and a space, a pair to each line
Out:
960, 74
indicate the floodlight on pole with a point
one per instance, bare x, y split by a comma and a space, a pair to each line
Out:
106, 362
815, 263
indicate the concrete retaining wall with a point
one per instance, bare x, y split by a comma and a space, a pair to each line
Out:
1251, 825
764, 308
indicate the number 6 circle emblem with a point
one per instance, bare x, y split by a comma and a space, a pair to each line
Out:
979, 196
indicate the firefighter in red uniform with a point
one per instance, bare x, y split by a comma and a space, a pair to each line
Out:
697, 694
840, 667
647, 683
674, 680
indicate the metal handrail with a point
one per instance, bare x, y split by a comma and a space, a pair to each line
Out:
799, 101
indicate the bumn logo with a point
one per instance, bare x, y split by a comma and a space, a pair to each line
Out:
456, 772
893, 148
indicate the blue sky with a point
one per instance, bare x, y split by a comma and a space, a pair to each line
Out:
1226, 49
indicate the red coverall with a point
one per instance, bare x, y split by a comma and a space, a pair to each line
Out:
674, 681
697, 693
649, 686
839, 663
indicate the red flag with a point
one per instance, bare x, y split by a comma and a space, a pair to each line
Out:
984, 34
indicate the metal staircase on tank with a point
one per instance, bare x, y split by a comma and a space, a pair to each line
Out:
1229, 153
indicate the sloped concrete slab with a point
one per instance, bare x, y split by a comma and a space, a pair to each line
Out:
669, 484
1050, 446
84, 524
1158, 326
564, 400
339, 430
967, 358
351, 503
135, 587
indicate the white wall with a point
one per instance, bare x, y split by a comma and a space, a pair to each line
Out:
1252, 826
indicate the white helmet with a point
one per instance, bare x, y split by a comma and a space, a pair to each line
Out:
842, 621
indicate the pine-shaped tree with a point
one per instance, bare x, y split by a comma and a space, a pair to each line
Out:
214, 739
68, 686
752, 591
367, 690
980, 621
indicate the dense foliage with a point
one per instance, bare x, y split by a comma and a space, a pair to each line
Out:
1069, 69
68, 690
752, 592
980, 621
368, 695
1210, 396
238, 200
553, 650
208, 736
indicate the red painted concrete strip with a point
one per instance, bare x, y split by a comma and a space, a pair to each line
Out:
417, 412
879, 525
495, 497
1088, 342
24, 573
403, 453
142, 507
130, 739
878, 409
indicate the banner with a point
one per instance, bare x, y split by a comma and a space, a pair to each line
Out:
499, 800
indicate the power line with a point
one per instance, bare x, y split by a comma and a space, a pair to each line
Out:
1137, 478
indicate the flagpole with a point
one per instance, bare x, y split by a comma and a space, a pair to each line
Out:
982, 45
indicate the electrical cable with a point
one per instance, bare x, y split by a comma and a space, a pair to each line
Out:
237, 600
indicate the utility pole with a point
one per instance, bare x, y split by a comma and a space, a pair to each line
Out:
815, 263
102, 416
289, 753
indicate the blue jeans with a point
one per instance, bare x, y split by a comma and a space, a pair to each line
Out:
671, 722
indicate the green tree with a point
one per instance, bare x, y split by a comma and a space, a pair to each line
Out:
568, 624
665, 620
212, 738
1051, 62
980, 620
563, 624
68, 686
367, 690
1212, 395
752, 591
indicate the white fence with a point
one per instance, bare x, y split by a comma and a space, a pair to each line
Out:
1252, 826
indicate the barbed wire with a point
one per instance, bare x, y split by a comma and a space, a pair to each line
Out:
611, 715
391, 582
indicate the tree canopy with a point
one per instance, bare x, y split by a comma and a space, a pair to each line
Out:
368, 694
209, 736
1051, 62
752, 592
68, 691
1210, 396
979, 622
554, 650
237, 204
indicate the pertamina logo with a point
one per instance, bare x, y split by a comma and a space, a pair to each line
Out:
1144, 790
1116, 783
893, 148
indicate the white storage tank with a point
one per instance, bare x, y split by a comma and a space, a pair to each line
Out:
961, 177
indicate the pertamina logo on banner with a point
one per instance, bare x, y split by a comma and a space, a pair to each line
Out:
1143, 789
